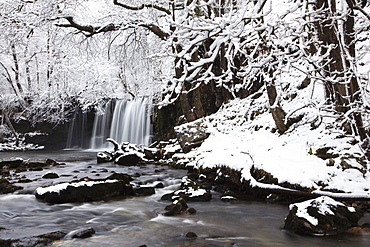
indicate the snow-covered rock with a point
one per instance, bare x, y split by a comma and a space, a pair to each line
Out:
321, 216
190, 190
83, 191
192, 134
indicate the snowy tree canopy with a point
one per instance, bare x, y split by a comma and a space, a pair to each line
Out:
264, 47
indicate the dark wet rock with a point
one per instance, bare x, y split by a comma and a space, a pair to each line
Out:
83, 191
50, 175
321, 216
177, 207
365, 225
6, 242
12, 162
35, 164
51, 162
39, 168
151, 153
105, 156
144, 191
120, 176
20, 169
35, 241
6, 187
24, 180
191, 211
128, 159
159, 186
81, 233
229, 196
167, 197
191, 235
191, 135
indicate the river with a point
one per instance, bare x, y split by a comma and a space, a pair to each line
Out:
138, 221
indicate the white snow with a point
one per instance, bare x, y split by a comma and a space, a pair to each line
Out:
62, 186
238, 142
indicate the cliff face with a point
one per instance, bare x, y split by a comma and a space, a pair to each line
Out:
203, 101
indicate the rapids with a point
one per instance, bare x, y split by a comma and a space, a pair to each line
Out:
138, 221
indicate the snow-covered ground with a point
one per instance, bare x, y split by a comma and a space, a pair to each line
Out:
242, 135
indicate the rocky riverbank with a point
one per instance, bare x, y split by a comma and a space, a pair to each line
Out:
51, 182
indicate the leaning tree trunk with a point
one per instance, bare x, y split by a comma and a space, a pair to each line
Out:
341, 90
354, 88
277, 111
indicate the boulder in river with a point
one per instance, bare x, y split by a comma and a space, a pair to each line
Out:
191, 135
81, 233
7, 187
50, 175
128, 159
83, 191
105, 156
33, 241
120, 176
190, 190
177, 207
144, 191
321, 216
11, 163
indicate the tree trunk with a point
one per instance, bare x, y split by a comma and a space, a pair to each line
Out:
336, 88
344, 92
277, 112
16, 69
354, 88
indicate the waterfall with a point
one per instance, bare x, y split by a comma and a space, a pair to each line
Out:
128, 122
101, 127
78, 131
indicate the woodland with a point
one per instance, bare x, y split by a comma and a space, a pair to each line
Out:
196, 54
258, 100
300, 61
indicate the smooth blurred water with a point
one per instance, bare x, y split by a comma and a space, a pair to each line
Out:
137, 221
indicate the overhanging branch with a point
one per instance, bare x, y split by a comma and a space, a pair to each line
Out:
156, 30
89, 30
142, 6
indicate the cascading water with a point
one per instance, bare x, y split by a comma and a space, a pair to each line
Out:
128, 122
78, 131
102, 126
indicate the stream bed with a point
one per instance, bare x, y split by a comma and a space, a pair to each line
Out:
138, 221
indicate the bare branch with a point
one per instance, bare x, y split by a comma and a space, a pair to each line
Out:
142, 6
352, 4
89, 30
156, 30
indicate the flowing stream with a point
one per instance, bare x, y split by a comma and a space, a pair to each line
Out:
138, 221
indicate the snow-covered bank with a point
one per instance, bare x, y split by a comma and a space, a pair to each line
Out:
242, 135
13, 145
